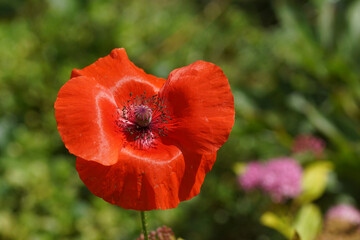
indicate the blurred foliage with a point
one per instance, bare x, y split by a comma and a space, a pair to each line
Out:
294, 67
308, 222
315, 179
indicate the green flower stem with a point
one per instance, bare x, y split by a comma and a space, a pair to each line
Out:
144, 227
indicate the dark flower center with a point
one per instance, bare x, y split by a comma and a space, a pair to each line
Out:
143, 119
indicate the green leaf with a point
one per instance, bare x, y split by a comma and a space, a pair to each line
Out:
279, 223
326, 22
353, 17
314, 181
308, 222
323, 124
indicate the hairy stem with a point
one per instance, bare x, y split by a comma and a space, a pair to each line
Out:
144, 226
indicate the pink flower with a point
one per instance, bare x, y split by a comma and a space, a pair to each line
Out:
310, 143
345, 213
251, 179
161, 233
282, 178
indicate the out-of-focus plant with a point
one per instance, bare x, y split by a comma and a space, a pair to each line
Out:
341, 222
308, 145
161, 233
317, 44
279, 178
284, 179
318, 41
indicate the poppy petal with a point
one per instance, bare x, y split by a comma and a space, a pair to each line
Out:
85, 114
142, 184
115, 68
194, 175
201, 105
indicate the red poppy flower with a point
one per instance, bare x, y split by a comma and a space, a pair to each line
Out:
144, 142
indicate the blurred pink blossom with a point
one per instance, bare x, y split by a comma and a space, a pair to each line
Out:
280, 178
251, 178
303, 143
345, 213
161, 233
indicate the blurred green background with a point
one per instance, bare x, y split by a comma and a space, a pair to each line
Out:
294, 68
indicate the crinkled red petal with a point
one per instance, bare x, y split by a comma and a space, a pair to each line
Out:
201, 105
112, 70
142, 181
85, 114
